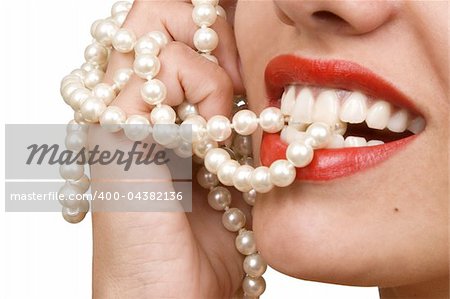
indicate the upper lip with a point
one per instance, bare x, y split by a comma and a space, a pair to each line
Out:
340, 74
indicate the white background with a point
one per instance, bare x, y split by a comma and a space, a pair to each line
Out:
44, 257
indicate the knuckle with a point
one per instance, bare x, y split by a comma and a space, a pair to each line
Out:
176, 48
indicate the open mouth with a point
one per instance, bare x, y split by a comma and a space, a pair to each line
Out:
369, 119
356, 119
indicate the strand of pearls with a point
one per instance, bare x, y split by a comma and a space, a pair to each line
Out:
74, 206
184, 131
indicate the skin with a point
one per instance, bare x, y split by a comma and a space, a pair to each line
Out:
348, 231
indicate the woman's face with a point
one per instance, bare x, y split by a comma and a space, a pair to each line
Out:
381, 219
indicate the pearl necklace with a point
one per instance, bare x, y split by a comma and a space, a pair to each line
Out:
84, 91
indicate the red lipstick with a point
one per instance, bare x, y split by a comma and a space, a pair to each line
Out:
330, 163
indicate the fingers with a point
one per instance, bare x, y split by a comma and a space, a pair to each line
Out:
186, 75
174, 18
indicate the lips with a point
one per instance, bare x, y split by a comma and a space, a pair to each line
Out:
330, 163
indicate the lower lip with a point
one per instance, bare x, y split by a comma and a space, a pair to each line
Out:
330, 164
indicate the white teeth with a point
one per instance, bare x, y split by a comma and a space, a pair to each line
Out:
336, 141
378, 115
338, 108
374, 142
303, 108
288, 100
398, 121
417, 125
290, 134
354, 109
326, 108
352, 141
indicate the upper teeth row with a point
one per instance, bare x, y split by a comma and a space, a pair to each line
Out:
299, 103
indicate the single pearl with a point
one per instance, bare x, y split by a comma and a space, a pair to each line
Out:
80, 73
78, 97
206, 179
120, 18
74, 127
163, 114
210, 2
245, 122
210, 57
165, 134
221, 12
299, 154
76, 141
81, 205
201, 147
245, 242
226, 172
233, 219
175, 144
219, 128
271, 120
124, 41
122, 76
89, 66
184, 150
104, 92
215, 158
186, 109
112, 119
96, 53
92, 108
68, 195
321, 134
219, 198
82, 184
78, 118
68, 89
159, 37
260, 180
73, 216
94, 27
70, 79
146, 66
254, 286
120, 6
282, 173
231, 152
137, 128
242, 177
249, 197
339, 128
147, 45
206, 40
93, 78
71, 171
204, 15
193, 129
254, 265
154, 92
243, 145
105, 31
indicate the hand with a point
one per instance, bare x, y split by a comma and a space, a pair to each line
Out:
160, 255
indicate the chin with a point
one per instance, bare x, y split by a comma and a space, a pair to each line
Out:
325, 231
